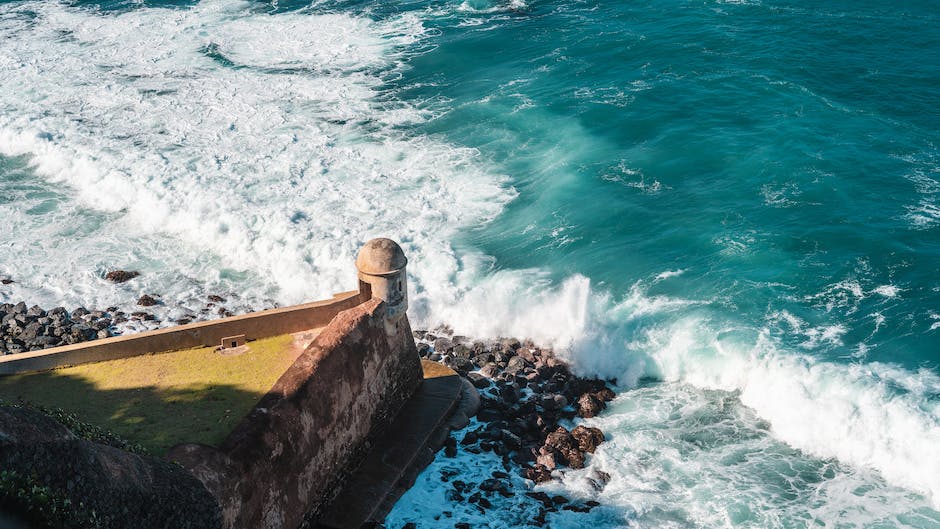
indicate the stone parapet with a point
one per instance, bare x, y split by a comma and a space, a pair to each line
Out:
253, 326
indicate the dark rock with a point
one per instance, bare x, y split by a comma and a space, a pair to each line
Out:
423, 350
552, 402
121, 276
605, 394
462, 351
147, 301
453, 496
515, 365
511, 440
6, 281
462, 366
538, 474
450, 447
489, 414
443, 345
589, 405
547, 460
540, 497
31, 331
492, 485
216, 299
490, 370
479, 381
598, 479
563, 444
120, 488
588, 438
559, 499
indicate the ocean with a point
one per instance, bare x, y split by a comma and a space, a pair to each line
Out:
730, 207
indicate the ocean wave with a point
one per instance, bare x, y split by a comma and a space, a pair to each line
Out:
871, 415
246, 152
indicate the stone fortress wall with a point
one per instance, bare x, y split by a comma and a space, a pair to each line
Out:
286, 459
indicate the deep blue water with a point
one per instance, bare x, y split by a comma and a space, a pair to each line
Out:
731, 207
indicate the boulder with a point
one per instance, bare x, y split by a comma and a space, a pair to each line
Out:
147, 301
589, 405
563, 444
538, 474
121, 276
588, 438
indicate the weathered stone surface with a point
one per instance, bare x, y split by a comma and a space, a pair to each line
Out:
124, 489
589, 405
147, 301
278, 463
588, 438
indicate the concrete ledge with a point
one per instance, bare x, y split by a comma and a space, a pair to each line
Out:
255, 325
399, 453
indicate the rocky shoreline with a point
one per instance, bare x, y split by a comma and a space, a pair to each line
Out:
525, 391
33, 328
525, 394
25, 328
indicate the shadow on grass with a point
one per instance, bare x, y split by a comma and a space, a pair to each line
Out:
156, 418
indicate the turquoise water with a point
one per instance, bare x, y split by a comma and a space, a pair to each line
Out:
730, 207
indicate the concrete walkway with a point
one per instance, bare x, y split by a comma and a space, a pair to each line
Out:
399, 454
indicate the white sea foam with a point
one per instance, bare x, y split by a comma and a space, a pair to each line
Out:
669, 273
218, 146
888, 291
870, 416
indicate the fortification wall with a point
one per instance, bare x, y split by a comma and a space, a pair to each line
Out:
255, 325
283, 460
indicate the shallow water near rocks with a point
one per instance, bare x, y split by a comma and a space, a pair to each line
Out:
729, 207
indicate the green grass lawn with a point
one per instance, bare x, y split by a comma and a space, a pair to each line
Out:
159, 400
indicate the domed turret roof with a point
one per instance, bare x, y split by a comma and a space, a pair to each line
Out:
380, 257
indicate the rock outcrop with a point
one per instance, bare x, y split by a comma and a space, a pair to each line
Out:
121, 489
